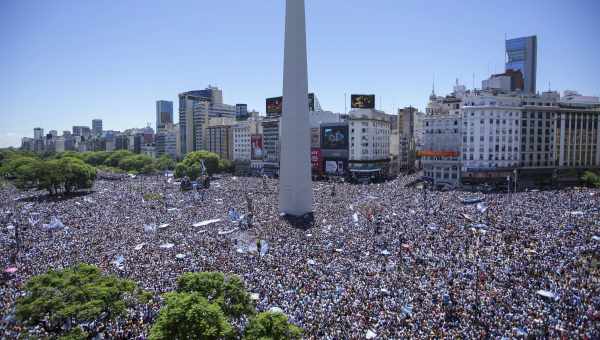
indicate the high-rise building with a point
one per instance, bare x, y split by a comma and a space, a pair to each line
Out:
164, 114
27, 144
195, 107
38, 140
82, 131
241, 111
271, 148
97, 127
38, 133
406, 138
521, 56
166, 141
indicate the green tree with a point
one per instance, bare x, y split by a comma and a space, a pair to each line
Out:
226, 291
51, 176
272, 325
77, 174
71, 154
191, 164
24, 170
190, 316
225, 165
80, 294
136, 163
165, 162
116, 157
95, 158
591, 179
180, 170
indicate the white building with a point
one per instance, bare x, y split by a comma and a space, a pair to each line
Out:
573, 97
441, 141
369, 140
242, 134
490, 132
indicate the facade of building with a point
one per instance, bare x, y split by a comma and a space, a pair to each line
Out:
164, 114
195, 108
491, 135
369, 151
577, 135
242, 135
241, 111
521, 56
270, 127
220, 141
27, 144
148, 150
82, 131
166, 141
406, 138
441, 147
97, 127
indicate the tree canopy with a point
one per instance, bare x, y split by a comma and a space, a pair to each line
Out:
80, 294
206, 305
591, 179
190, 316
55, 175
272, 326
191, 164
226, 291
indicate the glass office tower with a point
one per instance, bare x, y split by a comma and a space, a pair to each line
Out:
522, 56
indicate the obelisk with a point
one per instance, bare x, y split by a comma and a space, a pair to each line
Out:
295, 184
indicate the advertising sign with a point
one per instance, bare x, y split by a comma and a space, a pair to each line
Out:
334, 167
274, 106
334, 137
429, 153
362, 101
316, 159
257, 151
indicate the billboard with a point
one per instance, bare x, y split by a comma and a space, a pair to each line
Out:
274, 106
316, 159
257, 151
362, 101
334, 167
334, 137
430, 153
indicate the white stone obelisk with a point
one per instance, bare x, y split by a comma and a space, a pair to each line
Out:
295, 184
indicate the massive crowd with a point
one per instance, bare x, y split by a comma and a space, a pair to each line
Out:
381, 260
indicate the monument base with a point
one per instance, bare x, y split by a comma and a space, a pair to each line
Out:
303, 222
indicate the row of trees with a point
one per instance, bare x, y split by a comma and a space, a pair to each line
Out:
70, 171
65, 174
205, 306
591, 179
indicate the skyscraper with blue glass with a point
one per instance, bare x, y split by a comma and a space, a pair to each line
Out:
521, 56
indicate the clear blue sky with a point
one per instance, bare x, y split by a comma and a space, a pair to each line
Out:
63, 63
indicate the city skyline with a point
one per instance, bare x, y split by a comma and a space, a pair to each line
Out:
81, 67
